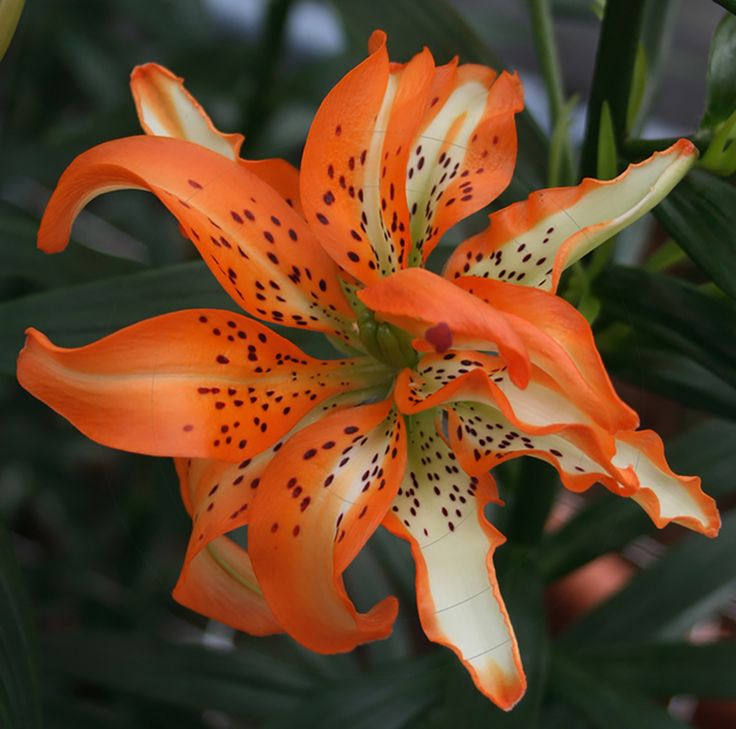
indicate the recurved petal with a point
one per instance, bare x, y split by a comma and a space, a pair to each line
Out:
664, 495
324, 495
345, 170
439, 511
217, 578
219, 583
532, 242
257, 246
464, 152
423, 303
560, 342
198, 383
166, 109
635, 466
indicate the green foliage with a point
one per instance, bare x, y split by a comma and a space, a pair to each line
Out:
96, 537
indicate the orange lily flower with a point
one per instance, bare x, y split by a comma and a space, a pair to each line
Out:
447, 375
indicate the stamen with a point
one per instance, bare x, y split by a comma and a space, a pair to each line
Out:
439, 336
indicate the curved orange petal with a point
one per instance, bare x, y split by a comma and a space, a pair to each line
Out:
197, 383
166, 109
483, 437
664, 495
219, 583
217, 578
418, 301
546, 422
336, 172
439, 511
533, 241
464, 153
561, 342
260, 250
322, 497
280, 175
398, 153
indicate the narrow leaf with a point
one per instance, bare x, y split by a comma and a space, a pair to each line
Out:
720, 99
666, 669
700, 214
606, 705
672, 312
692, 580
19, 688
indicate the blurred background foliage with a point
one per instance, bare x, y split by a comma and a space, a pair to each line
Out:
620, 626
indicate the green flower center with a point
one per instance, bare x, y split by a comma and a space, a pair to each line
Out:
385, 342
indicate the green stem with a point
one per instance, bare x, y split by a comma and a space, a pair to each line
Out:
268, 55
549, 61
613, 76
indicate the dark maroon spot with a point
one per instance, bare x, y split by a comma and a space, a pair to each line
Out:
188, 428
222, 359
439, 336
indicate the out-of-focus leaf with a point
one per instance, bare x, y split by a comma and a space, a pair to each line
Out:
19, 688
610, 523
657, 369
412, 24
730, 5
678, 314
389, 697
720, 98
80, 314
638, 86
612, 78
700, 214
666, 669
10, 11
693, 579
247, 683
607, 159
606, 705
22, 259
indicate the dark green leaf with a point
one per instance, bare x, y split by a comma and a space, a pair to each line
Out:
606, 705
19, 687
78, 315
692, 580
645, 365
247, 683
700, 214
613, 77
412, 24
720, 100
677, 314
610, 523
389, 697
730, 5
666, 669
21, 258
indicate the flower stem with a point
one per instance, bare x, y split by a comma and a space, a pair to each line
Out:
549, 60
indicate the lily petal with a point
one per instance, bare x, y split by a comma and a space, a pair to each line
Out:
418, 301
257, 246
327, 491
398, 153
532, 242
217, 578
664, 495
197, 383
561, 342
219, 583
166, 109
464, 154
439, 511
539, 420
